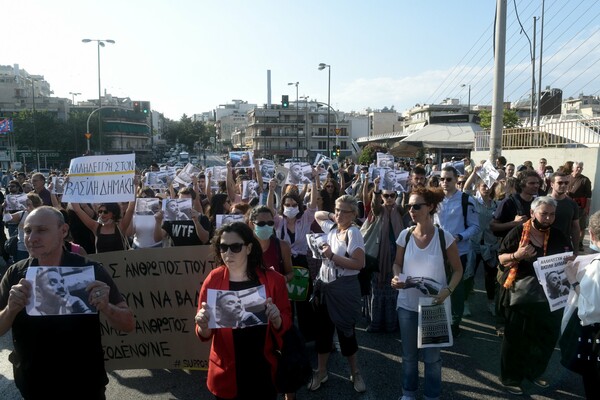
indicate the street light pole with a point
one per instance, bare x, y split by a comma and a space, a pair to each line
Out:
73, 94
297, 125
322, 66
101, 43
35, 144
469, 100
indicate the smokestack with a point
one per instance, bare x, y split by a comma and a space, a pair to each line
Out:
268, 88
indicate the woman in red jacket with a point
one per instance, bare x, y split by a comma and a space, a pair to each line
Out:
242, 362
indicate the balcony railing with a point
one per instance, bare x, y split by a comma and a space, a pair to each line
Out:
578, 133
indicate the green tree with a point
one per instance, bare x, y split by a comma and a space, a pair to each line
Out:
510, 119
187, 132
369, 153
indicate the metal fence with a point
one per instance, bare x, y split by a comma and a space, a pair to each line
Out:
574, 133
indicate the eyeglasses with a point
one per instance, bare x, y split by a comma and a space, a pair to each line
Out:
235, 247
446, 179
263, 223
103, 211
337, 210
387, 196
416, 206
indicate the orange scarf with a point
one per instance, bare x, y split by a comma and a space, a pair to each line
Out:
512, 273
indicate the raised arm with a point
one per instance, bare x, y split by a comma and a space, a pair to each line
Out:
230, 182
84, 217
125, 222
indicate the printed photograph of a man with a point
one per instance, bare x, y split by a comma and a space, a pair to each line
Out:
60, 290
237, 309
556, 285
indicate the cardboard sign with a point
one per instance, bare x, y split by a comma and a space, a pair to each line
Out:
161, 286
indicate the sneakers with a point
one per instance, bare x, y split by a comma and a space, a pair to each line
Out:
516, 390
467, 310
359, 384
316, 381
539, 382
492, 308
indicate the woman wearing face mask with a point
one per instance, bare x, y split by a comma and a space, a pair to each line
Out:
292, 225
276, 253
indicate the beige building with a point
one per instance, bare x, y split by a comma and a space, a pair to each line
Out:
301, 132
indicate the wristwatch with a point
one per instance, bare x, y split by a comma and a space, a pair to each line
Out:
459, 237
574, 284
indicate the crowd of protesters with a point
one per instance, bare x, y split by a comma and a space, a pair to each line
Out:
447, 212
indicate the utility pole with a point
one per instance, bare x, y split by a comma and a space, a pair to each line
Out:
498, 100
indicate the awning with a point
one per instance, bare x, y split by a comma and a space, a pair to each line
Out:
445, 136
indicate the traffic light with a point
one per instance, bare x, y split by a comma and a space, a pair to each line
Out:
145, 107
285, 102
334, 152
136, 106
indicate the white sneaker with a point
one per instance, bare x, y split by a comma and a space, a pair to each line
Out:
316, 381
467, 311
492, 308
359, 384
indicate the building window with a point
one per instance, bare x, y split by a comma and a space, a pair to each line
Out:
344, 145
322, 145
322, 131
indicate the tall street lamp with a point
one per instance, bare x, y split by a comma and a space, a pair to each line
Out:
322, 66
35, 144
297, 125
73, 94
305, 129
469, 101
101, 43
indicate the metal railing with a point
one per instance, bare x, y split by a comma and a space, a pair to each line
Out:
574, 133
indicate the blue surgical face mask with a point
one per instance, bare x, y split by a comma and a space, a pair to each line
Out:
594, 247
263, 232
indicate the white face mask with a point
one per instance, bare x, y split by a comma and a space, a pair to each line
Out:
108, 221
290, 212
548, 174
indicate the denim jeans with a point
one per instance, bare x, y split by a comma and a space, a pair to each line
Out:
408, 321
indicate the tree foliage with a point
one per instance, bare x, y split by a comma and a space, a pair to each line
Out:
510, 119
369, 153
188, 132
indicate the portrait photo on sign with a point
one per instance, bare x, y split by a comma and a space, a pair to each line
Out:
267, 169
177, 209
58, 184
147, 206
249, 190
157, 179
298, 173
316, 242
237, 309
59, 290
15, 202
184, 176
385, 160
225, 219
241, 159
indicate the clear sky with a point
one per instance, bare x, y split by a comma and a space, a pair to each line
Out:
189, 56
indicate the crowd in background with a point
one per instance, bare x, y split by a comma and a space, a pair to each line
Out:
445, 214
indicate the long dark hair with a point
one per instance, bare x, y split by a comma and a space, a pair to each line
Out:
216, 206
114, 208
255, 260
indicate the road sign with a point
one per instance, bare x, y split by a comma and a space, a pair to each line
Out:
338, 131
87, 135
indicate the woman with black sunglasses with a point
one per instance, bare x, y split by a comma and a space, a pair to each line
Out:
420, 256
387, 214
243, 361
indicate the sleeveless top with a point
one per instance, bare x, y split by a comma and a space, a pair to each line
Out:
272, 257
109, 242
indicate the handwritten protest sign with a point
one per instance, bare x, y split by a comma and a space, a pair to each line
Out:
97, 179
161, 286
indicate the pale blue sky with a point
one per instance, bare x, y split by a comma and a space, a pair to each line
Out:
190, 56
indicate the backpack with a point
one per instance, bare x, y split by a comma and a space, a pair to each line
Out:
464, 202
447, 266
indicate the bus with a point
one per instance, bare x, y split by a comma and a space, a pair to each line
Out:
184, 157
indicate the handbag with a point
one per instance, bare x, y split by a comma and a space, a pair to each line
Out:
526, 290
371, 232
293, 364
10, 246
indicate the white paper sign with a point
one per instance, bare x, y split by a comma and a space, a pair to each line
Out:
236, 309
98, 179
550, 271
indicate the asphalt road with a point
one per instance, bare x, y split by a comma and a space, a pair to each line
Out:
470, 370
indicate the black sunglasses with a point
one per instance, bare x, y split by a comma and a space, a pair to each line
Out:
263, 223
387, 196
235, 247
103, 211
416, 206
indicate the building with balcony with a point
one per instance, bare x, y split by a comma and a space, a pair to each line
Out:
298, 131
231, 118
